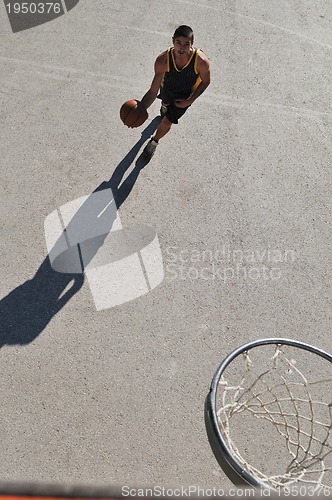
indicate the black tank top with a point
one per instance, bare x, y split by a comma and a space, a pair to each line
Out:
180, 83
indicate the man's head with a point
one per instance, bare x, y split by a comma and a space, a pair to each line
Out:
185, 32
183, 40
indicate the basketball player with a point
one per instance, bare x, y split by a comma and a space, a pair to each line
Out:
182, 73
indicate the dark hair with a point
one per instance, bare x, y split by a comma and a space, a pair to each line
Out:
184, 31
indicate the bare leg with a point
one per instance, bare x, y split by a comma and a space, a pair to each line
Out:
162, 129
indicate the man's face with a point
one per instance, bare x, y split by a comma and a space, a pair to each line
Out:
182, 46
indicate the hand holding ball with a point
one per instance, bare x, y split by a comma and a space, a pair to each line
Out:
133, 114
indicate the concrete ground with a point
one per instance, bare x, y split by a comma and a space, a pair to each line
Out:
239, 195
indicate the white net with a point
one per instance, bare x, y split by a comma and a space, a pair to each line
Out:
279, 419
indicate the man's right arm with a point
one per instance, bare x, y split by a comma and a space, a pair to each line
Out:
160, 66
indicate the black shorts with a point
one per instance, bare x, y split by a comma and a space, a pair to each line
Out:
173, 112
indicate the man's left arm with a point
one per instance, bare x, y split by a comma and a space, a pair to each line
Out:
203, 68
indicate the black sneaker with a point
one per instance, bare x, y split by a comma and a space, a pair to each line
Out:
150, 148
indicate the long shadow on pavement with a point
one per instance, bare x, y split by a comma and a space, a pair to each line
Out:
27, 310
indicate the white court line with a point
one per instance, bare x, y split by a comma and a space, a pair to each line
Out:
112, 80
259, 21
143, 30
264, 105
63, 6
65, 69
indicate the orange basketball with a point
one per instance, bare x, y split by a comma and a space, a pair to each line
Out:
133, 114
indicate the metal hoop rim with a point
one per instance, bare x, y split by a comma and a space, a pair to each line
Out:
224, 457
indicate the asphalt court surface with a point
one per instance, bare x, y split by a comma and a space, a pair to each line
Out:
239, 195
